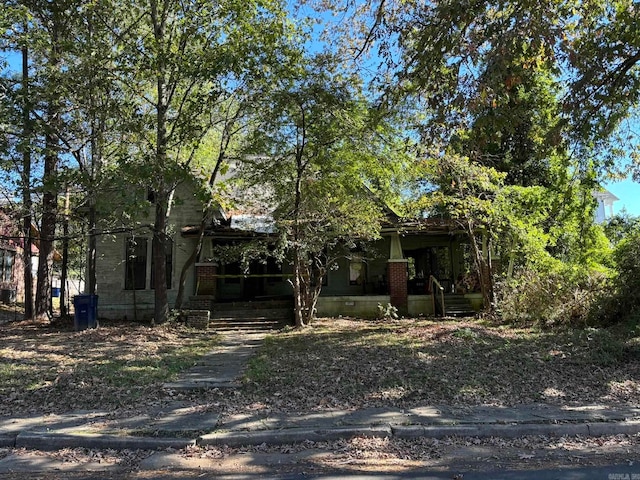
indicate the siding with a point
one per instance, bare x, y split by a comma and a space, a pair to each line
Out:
117, 303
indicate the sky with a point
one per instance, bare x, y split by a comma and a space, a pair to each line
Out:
628, 192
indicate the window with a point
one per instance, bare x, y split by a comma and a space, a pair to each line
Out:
136, 264
356, 270
232, 269
168, 259
139, 261
7, 258
7, 270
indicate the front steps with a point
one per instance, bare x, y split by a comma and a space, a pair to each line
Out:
248, 316
457, 305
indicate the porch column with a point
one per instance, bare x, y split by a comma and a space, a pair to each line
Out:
397, 281
397, 276
206, 281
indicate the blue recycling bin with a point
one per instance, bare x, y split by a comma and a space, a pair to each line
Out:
55, 292
86, 311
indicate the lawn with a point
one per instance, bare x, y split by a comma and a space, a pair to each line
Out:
47, 369
336, 364
347, 364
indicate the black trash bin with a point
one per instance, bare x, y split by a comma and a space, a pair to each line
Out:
86, 311
8, 296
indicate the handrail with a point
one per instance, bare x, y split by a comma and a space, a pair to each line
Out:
434, 281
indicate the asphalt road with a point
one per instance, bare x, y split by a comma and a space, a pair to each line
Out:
613, 472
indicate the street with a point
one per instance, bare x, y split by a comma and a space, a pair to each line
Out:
313, 464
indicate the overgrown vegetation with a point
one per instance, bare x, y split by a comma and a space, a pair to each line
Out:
505, 117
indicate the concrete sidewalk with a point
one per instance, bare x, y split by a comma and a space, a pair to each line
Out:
179, 425
183, 426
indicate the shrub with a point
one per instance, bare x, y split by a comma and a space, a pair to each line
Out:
622, 300
565, 295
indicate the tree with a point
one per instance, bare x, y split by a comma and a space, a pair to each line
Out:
177, 61
318, 154
466, 193
621, 226
41, 30
604, 61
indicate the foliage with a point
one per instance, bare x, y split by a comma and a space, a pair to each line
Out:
317, 159
465, 192
604, 60
626, 283
560, 296
621, 226
387, 312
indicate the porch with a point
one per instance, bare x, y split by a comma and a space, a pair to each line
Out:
395, 270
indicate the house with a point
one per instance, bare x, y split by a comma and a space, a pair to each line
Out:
397, 269
11, 257
604, 208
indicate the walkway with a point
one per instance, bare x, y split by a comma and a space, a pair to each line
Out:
222, 367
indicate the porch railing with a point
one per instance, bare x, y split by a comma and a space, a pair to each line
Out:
433, 284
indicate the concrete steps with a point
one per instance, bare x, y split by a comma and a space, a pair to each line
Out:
251, 316
457, 305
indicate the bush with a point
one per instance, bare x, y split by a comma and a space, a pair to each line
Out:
563, 296
622, 300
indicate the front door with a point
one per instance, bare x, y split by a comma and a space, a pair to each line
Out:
428, 261
253, 283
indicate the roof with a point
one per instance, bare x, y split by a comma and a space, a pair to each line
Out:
606, 196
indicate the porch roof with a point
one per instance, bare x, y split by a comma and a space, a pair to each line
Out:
423, 226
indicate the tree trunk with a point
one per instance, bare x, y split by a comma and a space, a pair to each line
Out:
298, 303
49, 180
203, 223
92, 252
159, 248
65, 258
161, 306
481, 266
188, 264
26, 189
97, 129
49, 212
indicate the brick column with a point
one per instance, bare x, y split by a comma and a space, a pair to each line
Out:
206, 280
397, 281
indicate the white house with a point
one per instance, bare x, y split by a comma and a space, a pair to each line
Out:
605, 200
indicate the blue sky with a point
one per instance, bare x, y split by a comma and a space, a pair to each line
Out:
628, 192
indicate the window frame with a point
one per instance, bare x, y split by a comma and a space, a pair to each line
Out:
134, 259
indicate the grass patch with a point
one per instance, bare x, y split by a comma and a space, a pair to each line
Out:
258, 370
45, 370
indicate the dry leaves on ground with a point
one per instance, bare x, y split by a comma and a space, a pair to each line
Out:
354, 364
44, 369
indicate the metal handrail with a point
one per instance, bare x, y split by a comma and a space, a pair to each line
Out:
433, 281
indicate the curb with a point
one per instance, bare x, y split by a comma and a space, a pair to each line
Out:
48, 441
7, 440
518, 430
485, 431
56, 441
408, 432
628, 427
291, 435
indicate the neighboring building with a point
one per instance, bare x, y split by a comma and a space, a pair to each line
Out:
395, 269
604, 209
11, 258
